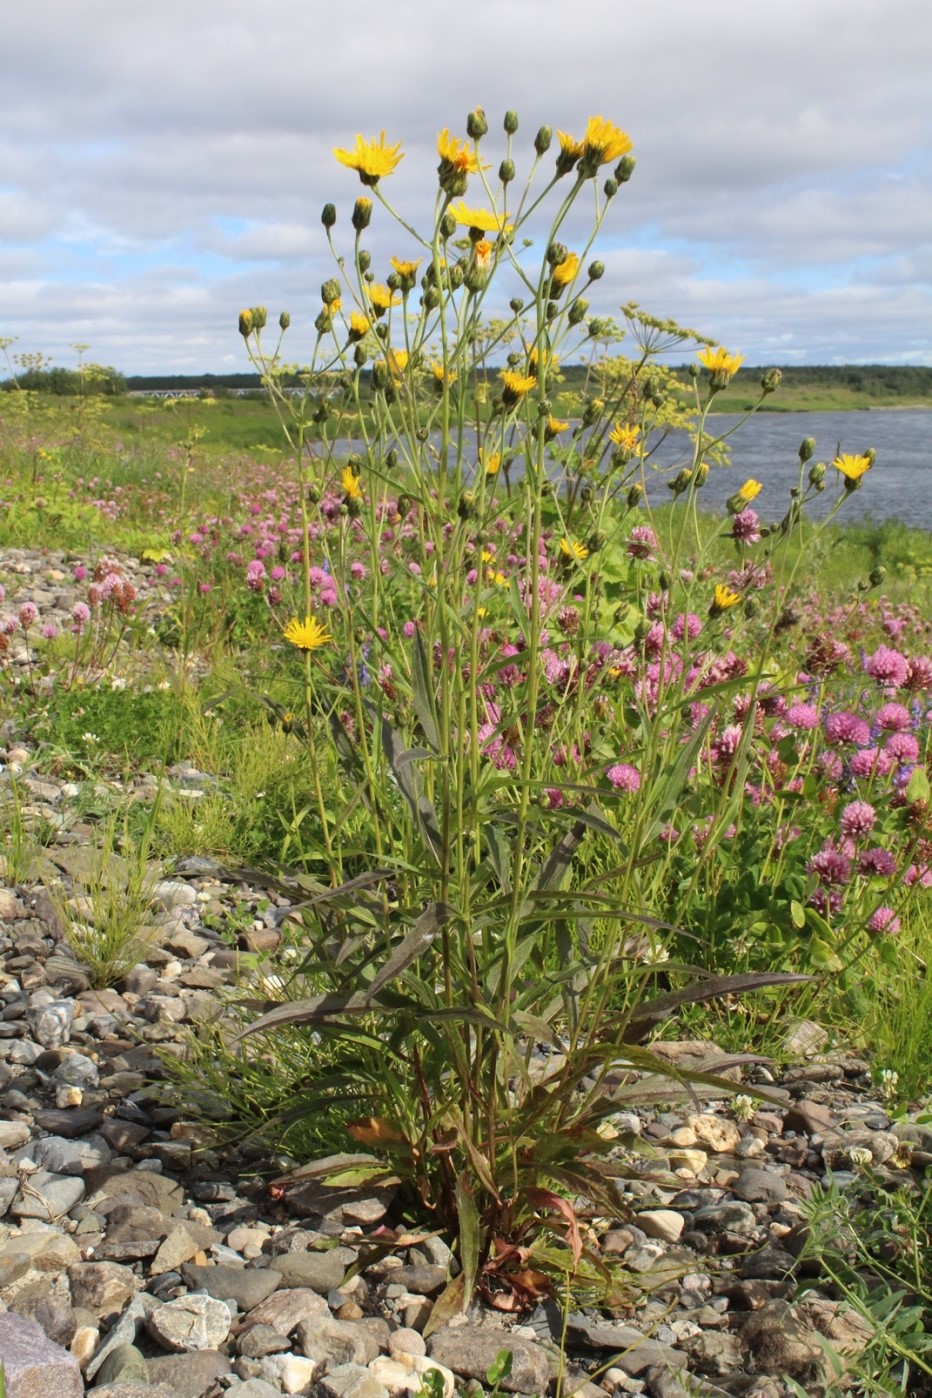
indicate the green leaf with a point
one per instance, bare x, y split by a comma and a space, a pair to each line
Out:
469, 1235
423, 694
917, 788
798, 914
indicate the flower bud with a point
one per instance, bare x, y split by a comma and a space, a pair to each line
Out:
625, 169
466, 505
259, 317
806, 448
506, 171
245, 324
817, 475
680, 482
422, 434
585, 493
359, 356
592, 411
456, 276
284, 320
557, 253
693, 371
870, 455
596, 327
663, 581
365, 260
578, 311
447, 226
511, 123
552, 310
362, 214
597, 541
324, 321
476, 125
770, 381
702, 474
596, 271
876, 576
313, 495
542, 140
516, 304
634, 496
404, 506
328, 215
330, 291
610, 187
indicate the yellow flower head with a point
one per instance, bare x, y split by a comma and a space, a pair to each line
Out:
484, 219
566, 271
381, 298
456, 157
359, 325
554, 427
482, 253
722, 599
749, 491
442, 377
335, 305
307, 634
397, 362
405, 269
721, 365
625, 435
492, 462
573, 549
604, 142
852, 467
350, 483
516, 385
570, 152
371, 159
537, 356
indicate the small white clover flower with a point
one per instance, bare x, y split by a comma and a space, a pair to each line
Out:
743, 1106
860, 1157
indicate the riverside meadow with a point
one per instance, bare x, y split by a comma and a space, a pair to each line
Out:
573, 748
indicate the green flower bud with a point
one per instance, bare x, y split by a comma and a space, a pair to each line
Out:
324, 321
511, 123
513, 360
313, 495
610, 187
592, 411
557, 253
259, 317
578, 311
506, 171
596, 327
544, 407
817, 475
770, 381
393, 281
663, 581
245, 324
806, 448
422, 434
353, 507
693, 371
634, 496
516, 304
596, 271
447, 226
466, 505
680, 482
552, 311
382, 330
404, 505
284, 320
625, 169
585, 493
702, 474
391, 459
542, 140
456, 276
330, 291
365, 261
359, 356
877, 575
362, 214
476, 125
597, 541
871, 455
328, 215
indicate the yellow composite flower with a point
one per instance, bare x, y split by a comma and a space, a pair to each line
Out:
334, 305
625, 435
570, 149
852, 467
405, 268
554, 427
350, 482
457, 154
573, 549
749, 491
397, 362
518, 384
381, 298
604, 142
370, 159
723, 598
720, 364
482, 253
442, 377
484, 219
359, 325
567, 269
492, 462
308, 634
537, 357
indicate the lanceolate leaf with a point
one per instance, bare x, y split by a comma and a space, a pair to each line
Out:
424, 701
645, 1017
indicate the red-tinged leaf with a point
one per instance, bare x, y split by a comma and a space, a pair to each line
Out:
546, 1199
375, 1131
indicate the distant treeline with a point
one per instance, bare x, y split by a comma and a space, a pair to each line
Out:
911, 381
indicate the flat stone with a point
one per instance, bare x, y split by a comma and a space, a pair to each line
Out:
70, 1157
350, 1381
189, 1375
758, 1186
321, 1271
284, 1310
333, 1342
470, 1350
178, 1247
122, 1364
665, 1224
293, 1372
33, 1365
53, 1313
101, 1287
70, 1121
247, 1286
192, 1322
46, 1196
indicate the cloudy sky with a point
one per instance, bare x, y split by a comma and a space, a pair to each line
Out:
163, 165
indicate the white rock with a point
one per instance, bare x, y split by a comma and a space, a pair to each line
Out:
665, 1224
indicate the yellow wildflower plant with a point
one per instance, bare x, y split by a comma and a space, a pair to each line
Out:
457, 162
721, 365
750, 490
852, 467
492, 463
359, 325
516, 385
308, 634
482, 219
381, 298
625, 435
443, 378
573, 550
563, 274
723, 598
350, 483
570, 152
554, 427
370, 159
604, 142
537, 356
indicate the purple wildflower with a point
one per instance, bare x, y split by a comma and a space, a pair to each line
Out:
624, 777
887, 666
884, 920
846, 727
802, 715
858, 818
